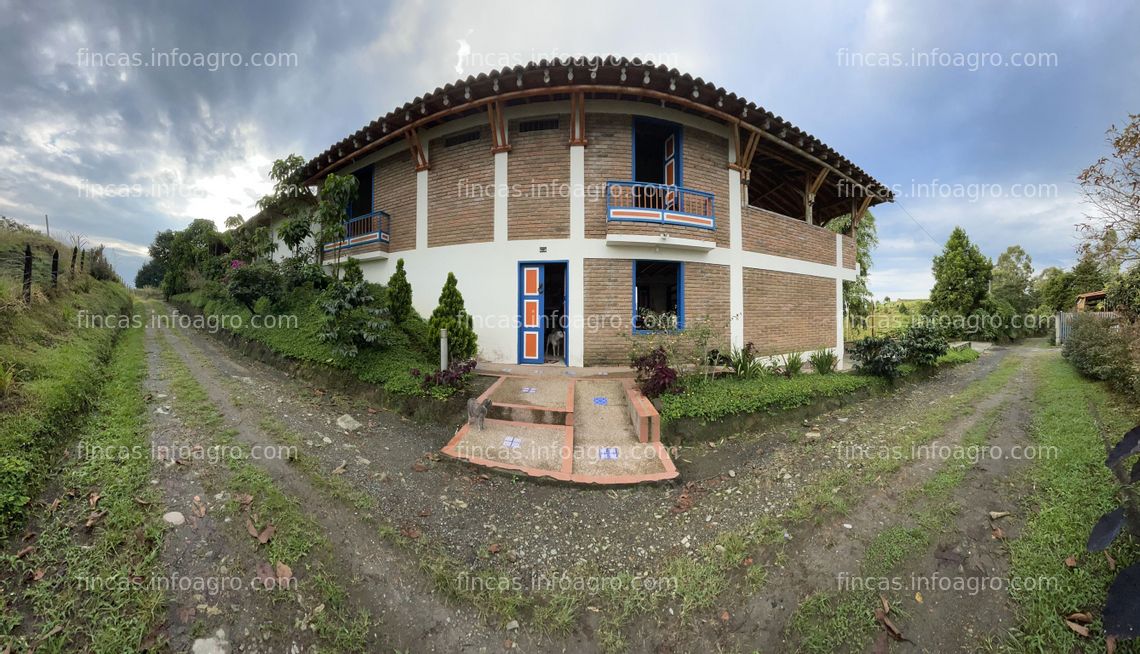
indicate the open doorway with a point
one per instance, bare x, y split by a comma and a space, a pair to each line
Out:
542, 312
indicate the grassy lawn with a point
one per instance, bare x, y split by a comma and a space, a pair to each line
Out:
710, 400
388, 367
1070, 492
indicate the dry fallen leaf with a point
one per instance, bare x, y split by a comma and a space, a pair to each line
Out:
94, 518
249, 527
266, 534
284, 574
38, 574
410, 532
26, 551
724, 616
419, 467
141, 502
886, 604
339, 470
93, 499
746, 562
495, 548
998, 534
892, 630
1081, 618
1071, 562
997, 515
198, 507
54, 506
1111, 561
1110, 645
918, 597
1080, 630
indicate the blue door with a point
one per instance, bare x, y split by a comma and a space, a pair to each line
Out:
532, 330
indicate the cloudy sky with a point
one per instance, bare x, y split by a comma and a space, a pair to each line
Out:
979, 114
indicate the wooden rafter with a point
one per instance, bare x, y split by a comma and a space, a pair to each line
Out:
745, 152
811, 187
860, 211
578, 118
419, 157
499, 139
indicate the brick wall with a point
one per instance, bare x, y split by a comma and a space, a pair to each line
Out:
786, 312
705, 168
608, 310
461, 203
394, 191
849, 252
609, 148
538, 174
770, 233
609, 306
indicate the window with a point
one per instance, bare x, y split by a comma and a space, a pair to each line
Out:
459, 139
538, 125
362, 204
658, 295
656, 160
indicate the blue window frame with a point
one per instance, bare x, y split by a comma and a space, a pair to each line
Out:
658, 296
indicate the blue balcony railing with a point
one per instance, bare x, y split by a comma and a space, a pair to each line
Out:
370, 228
645, 202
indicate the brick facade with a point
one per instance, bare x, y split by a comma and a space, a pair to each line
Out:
609, 306
538, 174
770, 233
609, 152
705, 168
849, 252
394, 191
461, 187
786, 312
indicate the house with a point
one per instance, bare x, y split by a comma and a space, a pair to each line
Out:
600, 200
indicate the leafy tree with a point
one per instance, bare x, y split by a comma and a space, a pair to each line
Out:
337, 192
293, 233
247, 284
452, 316
1124, 293
1052, 289
399, 294
150, 274
1087, 276
353, 318
1112, 186
1013, 279
961, 276
856, 295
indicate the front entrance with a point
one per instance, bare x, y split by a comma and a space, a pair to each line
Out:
542, 312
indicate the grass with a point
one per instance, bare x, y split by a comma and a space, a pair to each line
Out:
713, 399
56, 365
299, 539
86, 586
1070, 492
388, 367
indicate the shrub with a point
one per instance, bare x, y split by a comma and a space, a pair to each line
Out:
1123, 293
879, 355
793, 364
1099, 348
452, 316
824, 362
455, 377
353, 319
399, 294
744, 362
263, 306
922, 344
251, 282
297, 272
654, 376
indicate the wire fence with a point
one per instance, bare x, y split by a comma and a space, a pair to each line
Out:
38, 265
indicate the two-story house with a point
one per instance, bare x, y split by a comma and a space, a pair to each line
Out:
604, 200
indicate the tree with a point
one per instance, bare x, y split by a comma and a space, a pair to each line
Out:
452, 316
856, 295
150, 274
337, 192
1112, 186
1087, 276
961, 276
1052, 289
399, 294
1013, 279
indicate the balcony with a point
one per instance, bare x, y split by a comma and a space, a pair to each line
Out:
368, 229
645, 202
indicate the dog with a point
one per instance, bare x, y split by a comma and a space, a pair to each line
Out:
477, 411
554, 343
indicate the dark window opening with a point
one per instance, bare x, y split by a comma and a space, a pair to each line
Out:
538, 125
657, 160
658, 295
458, 139
362, 203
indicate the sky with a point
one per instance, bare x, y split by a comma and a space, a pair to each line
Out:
119, 120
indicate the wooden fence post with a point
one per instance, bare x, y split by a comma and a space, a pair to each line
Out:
55, 268
74, 253
27, 274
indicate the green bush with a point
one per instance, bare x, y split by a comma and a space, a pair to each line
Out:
824, 362
251, 282
880, 356
452, 316
399, 294
922, 344
793, 364
716, 398
353, 317
297, 272
1123, 293
744, 362
1100, 348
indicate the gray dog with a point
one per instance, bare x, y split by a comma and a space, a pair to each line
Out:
477, 411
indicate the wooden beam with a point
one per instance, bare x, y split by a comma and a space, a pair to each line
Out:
859, 213
499, 139
419, 157
578, 118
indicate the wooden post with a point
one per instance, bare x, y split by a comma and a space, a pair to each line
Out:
55, 268
74, 253
27, 274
